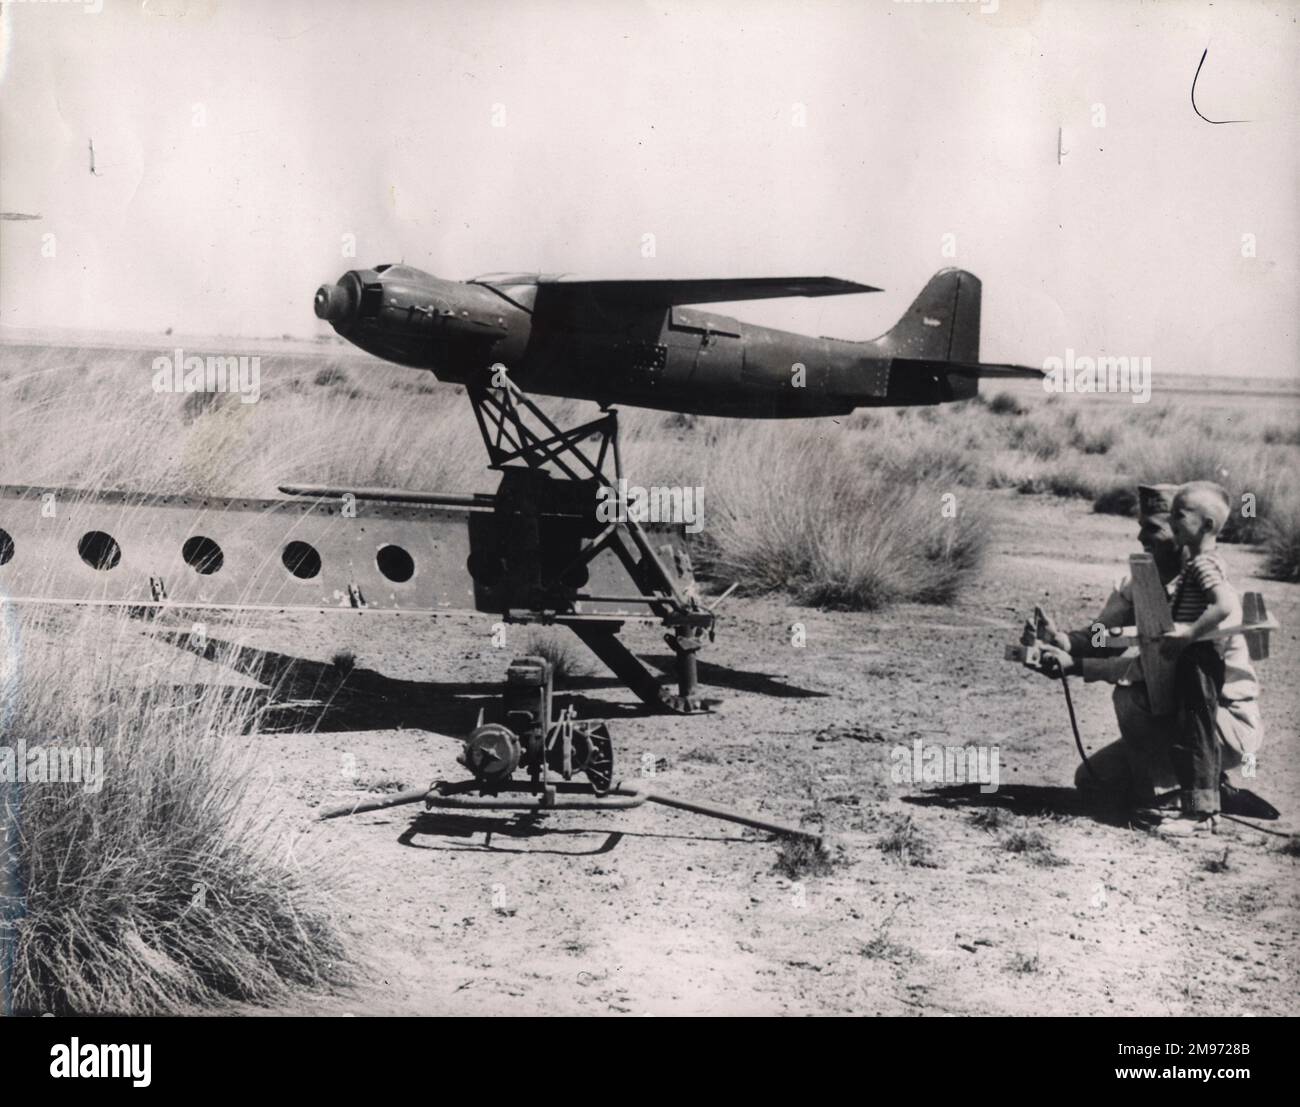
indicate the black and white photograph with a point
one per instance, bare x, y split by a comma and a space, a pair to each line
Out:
526, 508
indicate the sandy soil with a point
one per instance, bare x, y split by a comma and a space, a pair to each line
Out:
654, 911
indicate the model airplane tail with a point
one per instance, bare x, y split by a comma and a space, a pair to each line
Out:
935, 346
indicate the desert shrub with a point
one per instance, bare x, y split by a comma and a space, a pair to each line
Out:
942, 443
568, 660
293, 433
1004, 403
819, 521
331, 375
197, 404
944, 461
1034, 845
1067, 477
1119, 499
800, 858
1040, 439
905, 843
679, 422
1067, 480
1255, 475
164, 890
1173, 458
990, 818
1273, 435
1025, 963
1281, 534
1093, 440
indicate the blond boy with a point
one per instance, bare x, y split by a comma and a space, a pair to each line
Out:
1203, 600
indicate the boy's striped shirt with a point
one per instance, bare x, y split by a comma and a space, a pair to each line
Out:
1200, 576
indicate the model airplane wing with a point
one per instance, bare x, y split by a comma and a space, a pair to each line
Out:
560, 292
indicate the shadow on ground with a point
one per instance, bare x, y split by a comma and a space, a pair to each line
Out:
522, 826
1041, 800
301, 694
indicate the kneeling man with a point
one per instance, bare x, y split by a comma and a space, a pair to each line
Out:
1130, 770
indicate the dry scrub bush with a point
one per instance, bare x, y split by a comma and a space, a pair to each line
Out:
1282, 544
568, 663
789, 510
165, 890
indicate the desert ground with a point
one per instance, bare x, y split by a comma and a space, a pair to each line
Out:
1045, 909
934, 899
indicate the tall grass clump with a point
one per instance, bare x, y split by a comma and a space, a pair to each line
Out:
164, 890
1257, 476
1281, 534
819, 518
310, 425
566, 660
1004, 403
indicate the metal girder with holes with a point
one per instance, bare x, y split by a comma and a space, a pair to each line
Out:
61, 545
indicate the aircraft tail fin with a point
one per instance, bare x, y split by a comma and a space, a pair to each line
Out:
935, 346
943, 323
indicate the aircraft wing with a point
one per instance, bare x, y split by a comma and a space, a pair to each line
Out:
560, 293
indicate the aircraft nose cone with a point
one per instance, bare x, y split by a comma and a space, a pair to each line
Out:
333, 303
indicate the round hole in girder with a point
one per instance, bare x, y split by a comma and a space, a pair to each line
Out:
576, 577
99, 550
6, 547
395, 563
484, 568
302, 560
203, 555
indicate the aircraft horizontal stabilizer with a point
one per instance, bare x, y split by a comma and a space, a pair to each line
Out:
935, 380
991, 369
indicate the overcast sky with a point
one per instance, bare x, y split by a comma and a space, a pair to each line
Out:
238, 143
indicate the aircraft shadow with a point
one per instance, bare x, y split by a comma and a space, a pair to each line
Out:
738, 680
1023, 799
522, 826
301, 694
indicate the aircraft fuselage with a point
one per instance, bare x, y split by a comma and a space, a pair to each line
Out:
672, 358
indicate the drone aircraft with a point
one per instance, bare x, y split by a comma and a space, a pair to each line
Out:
535, 551
639, 343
